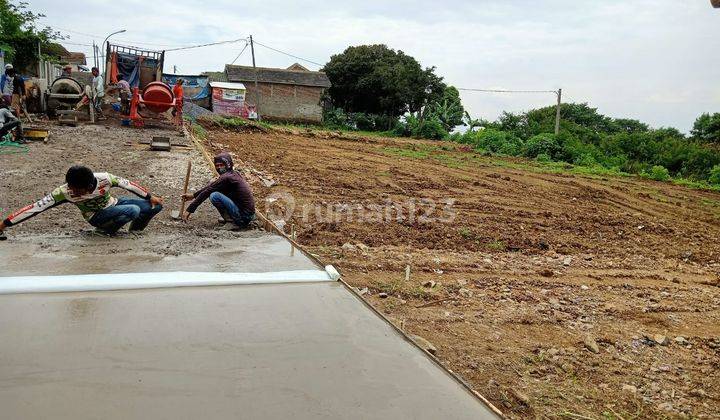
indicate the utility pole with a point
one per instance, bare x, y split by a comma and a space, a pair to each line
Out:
257, 90
557, 111
39, 61
95, 57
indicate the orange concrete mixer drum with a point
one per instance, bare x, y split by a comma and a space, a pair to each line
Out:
158, 97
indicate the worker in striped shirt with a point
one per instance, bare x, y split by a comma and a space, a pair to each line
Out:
90, 192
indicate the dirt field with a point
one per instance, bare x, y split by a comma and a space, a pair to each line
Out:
554, 295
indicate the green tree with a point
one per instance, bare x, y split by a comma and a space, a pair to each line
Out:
448, 109
19, 35
376, 79
628, 125
707, 128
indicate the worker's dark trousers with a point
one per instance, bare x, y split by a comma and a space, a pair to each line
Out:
137, 212
230, 211
6, 128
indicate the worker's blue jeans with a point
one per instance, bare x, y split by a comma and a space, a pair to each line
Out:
137, 212
230, 211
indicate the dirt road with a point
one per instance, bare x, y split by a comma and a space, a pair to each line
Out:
554, 295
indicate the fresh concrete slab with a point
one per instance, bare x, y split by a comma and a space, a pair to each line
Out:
300, 351
250, 251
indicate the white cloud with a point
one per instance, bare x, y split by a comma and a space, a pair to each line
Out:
655, 60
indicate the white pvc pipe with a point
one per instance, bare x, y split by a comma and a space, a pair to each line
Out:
123, 281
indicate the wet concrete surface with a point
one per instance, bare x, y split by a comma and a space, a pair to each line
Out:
301, 351
250, 251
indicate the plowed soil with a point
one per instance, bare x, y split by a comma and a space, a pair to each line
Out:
559, 295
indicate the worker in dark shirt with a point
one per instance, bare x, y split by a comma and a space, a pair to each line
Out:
230, 193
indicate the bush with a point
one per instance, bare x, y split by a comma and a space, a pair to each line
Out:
543, 144
336, 119
406, 126
586, 160
714, 177
542, 157
430, 128
658, 173
499, 142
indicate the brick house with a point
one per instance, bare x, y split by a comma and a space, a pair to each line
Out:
291, 94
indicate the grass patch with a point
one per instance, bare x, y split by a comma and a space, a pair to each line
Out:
496, 245
198, 131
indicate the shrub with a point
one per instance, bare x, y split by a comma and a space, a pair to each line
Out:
714, 177
406, 126
542, 144
586, 160
542, 157
499, 142
336, 118
658, 173
430, 128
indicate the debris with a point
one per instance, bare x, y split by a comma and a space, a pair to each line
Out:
382, 295
661, 339
591, 345
680, 340
546, 273
429, 284
698, 392
567, 261
629, 388
465, 293
435, 302
347, 246
424, 344
362, 291
520, 396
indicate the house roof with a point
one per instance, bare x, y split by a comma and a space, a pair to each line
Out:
298, 66
281, 76
74, 58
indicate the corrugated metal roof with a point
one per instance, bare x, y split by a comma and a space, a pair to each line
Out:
226, 85
281, 76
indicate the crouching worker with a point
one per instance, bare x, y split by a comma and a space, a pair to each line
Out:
229, 193
90, 192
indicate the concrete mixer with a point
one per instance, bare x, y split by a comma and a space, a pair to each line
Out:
156, 97
63, 94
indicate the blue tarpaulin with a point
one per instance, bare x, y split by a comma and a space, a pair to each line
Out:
195, 87
129, 67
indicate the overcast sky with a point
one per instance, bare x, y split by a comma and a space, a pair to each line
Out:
654, 60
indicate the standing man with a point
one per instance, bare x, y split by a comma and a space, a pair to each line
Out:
229, 193
178, 93
124, 89
98, 90
90, 192
9, 122
67, 71
13, 88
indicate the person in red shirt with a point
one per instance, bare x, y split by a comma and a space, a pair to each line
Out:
178, 92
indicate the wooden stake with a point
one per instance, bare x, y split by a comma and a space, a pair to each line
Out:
292, 236
407, 272
185, 187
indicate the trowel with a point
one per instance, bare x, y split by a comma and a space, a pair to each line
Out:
175, 213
